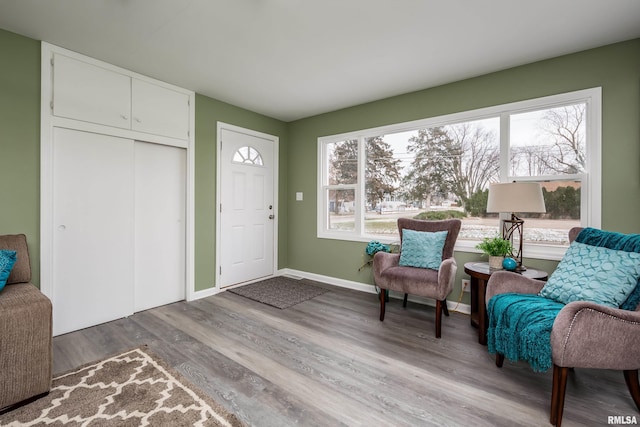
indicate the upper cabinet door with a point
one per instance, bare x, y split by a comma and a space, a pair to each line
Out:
159, 110
89, 93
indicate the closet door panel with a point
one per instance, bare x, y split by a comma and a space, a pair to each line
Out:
93, 229
160, 237
89, 93
159, 110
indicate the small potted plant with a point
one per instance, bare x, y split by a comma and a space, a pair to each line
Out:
497, 248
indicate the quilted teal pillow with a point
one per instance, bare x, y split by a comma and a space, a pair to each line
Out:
422, 249
7, 259
593, 273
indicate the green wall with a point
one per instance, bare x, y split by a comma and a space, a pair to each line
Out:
616, 68
20, 142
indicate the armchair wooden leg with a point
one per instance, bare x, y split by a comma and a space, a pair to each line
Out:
557, 394
438, 318
382, 299
445, 308
404, 301
499, 359
631, 378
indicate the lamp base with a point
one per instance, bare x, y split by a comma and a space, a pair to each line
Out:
512, 229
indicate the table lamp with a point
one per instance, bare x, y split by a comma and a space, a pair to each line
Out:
512, 197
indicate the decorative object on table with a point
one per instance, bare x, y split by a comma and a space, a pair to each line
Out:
135, 387
496, 248
373, 248
509, 264
513, 197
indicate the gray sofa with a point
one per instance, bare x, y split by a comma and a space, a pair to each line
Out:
26, 344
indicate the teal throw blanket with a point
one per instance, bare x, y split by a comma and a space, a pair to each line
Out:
520, 328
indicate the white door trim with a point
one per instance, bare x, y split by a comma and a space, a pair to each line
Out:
276, 141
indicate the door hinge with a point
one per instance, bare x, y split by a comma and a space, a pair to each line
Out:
220, 207
51, 105
221, 271
52, 61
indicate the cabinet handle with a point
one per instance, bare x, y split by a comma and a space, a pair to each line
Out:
124, 117
137, 120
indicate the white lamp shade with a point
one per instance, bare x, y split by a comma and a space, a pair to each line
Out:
515, 197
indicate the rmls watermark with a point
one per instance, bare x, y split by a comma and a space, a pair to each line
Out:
622, 420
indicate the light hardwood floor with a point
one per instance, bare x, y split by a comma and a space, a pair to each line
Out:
329, 361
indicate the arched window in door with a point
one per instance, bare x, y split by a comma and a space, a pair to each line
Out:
248, 155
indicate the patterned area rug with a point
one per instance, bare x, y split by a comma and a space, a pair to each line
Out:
280, 292
135, 388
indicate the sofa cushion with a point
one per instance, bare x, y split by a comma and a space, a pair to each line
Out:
7, 260
422, 249
593, 273
21, 272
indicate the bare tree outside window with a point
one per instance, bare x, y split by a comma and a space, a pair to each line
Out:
478, 163
549, 142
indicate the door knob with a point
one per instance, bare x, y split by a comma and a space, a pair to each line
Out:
271, 216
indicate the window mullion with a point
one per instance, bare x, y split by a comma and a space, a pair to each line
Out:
360, 209
505, 151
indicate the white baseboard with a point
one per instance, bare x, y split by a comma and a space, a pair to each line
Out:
358, 286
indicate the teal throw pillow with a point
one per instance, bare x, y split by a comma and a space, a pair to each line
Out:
593, 273
422, 249
7, 260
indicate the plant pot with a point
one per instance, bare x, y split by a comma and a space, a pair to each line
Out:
495, 262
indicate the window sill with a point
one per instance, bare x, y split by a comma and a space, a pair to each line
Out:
531, 250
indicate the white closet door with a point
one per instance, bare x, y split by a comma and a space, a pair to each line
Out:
159, 110
160, 248
87, 92
93, 229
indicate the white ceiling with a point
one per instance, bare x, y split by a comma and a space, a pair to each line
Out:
290, 59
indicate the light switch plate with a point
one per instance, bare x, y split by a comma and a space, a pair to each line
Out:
299, 195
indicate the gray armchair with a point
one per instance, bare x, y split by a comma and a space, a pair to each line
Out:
584, 335
437, 284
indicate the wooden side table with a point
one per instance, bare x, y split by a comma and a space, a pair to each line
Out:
479, 272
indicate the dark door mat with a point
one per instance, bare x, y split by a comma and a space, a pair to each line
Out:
280, 292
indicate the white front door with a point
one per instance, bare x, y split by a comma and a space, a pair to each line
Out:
246, 206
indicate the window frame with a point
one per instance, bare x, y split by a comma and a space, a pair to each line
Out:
591, 179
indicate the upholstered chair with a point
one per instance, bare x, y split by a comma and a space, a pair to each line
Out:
26, 341
584, 335
434, 282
